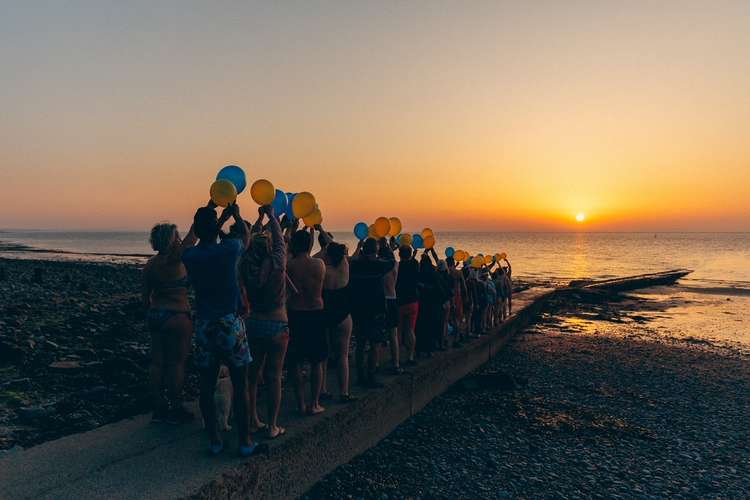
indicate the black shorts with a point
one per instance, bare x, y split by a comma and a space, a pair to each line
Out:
391, 313
370, 327
307, 337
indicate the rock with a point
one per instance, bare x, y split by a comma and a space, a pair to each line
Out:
30, 413
11, 353
65, 365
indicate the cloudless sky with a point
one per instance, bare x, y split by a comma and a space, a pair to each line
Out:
458, 115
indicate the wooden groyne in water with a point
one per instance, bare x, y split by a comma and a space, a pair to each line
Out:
134, 459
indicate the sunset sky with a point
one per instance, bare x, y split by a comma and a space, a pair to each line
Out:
458, 115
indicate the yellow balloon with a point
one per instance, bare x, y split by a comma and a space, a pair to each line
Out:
314, 218
503, 255
477, 262
303, 204
427, 232
460, 256
498, 257
223, 192
262, 192
488, 259
429, 242
395, 226
382, 227
406, 239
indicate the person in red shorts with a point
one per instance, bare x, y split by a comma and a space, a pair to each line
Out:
407, 296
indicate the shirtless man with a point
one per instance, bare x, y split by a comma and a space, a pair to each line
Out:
391, 305
306, 319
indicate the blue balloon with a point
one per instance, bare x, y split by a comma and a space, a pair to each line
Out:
450, 251
235, 175
288, 211
361, 230
279, 203
417, 241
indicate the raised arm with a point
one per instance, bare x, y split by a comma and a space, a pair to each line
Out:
242, 231
258, 226
278, 245
190, 239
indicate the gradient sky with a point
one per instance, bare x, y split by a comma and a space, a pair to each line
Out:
457, 115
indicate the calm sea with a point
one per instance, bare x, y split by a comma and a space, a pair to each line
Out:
718, 259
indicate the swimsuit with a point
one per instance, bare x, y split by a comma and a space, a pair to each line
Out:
336, 306
221, 340
157, 318
307, 336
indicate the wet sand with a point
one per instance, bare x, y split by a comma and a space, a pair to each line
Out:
618, 399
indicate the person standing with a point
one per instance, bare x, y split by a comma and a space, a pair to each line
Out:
366, 281
165, 294
391, 306
219, 331
338, 317
263, 274
407, 296
307, 327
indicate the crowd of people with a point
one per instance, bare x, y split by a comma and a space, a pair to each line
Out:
265, 303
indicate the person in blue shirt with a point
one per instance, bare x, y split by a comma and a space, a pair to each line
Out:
219, 331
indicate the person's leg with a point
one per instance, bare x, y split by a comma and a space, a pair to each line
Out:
238, 375
316, 384
157, 375
259, 351
344, 336
372, 361
177, 334
295, 369
208, 376
275, 364
395, 348
359, 353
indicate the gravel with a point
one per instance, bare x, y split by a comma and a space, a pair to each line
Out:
591, 402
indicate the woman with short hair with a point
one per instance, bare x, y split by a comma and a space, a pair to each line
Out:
165, 295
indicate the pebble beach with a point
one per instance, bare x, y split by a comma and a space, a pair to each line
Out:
593, 401
74, 351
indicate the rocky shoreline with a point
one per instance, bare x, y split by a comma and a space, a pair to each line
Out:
591, 402
74, 350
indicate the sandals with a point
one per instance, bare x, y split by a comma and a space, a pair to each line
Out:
280, 431
253, 449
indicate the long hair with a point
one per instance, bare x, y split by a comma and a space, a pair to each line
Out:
256, 265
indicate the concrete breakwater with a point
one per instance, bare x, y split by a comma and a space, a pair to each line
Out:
132, 459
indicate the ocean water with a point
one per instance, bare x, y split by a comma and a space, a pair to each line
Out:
719, 260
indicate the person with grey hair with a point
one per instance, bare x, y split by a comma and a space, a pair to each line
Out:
165, 295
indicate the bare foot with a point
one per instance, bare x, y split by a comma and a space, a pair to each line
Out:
316, 409
257, 426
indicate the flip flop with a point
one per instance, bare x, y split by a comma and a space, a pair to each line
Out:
280, 432
253, 449
215, 448
258, 428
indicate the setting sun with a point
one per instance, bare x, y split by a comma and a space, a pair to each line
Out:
580, 217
